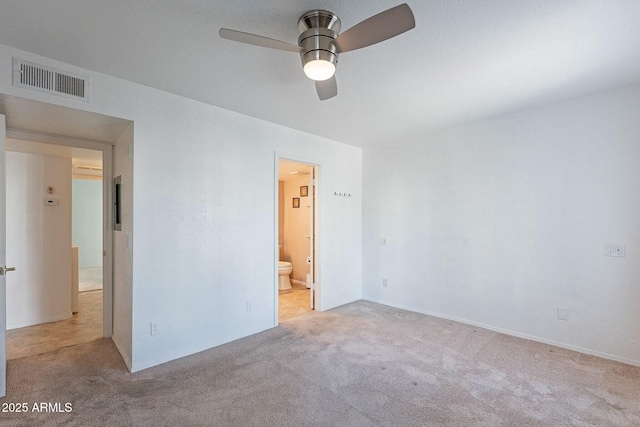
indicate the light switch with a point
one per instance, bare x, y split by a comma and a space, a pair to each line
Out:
563, 313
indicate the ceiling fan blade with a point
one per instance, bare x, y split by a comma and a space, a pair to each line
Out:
239, 36
378, 28
327, 88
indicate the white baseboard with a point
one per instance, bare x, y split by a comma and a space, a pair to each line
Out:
146, 364
513, 333
120, 348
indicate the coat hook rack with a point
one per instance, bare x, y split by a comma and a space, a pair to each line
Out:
341, 194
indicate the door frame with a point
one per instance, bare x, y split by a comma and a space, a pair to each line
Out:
3, 289
107, 211
316, 287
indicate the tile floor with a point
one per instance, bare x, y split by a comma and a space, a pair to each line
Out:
293, 302
83, 327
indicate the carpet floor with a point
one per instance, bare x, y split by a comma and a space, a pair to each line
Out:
361, 364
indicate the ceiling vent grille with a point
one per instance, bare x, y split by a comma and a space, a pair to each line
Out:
49, 80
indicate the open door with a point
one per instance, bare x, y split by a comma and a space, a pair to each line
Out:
312, 234
3, 257
297, 181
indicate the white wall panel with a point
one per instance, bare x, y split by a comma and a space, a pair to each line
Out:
500, 222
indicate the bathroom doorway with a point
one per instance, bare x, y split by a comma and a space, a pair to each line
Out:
296, 252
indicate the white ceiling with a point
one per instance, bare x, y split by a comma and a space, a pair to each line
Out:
41, 117
464, 61
288, 171
79, 156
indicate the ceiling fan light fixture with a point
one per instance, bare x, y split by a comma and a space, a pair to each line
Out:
320, 41
318, 54
319, 70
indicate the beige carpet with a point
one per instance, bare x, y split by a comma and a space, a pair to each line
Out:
362, 364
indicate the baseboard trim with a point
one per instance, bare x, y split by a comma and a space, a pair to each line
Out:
120, 348
39, 321
511, 333
140, 366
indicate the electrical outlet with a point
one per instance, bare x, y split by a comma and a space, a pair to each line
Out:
248, 306
384, 283
154, 328
615, 249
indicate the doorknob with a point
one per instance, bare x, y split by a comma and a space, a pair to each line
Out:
7, 269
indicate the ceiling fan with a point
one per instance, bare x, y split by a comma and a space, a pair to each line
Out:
320, 43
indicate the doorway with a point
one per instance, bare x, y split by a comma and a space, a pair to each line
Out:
28, 119
45, 308
86, 220
296, 283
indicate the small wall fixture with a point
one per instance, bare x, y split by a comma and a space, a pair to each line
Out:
117, 203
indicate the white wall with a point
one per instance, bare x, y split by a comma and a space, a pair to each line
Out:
123, 249
204, 228
499, 223
86, 224
38, 239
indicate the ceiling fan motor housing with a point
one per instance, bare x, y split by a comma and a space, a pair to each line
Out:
318, 29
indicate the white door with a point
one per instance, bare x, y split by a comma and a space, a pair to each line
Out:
312, 239
3, 289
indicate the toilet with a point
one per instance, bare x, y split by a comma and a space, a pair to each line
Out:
284, 270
